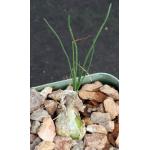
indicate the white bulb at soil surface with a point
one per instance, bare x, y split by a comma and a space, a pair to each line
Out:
68, 122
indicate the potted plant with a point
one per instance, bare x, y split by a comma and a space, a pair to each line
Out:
67, 120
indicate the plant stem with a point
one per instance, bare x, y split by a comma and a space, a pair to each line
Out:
75, 48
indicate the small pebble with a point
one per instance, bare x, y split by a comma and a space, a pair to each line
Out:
56, 95
63, 143
96, 96
111, 107
98, 117
46, 91
34, 127
39, 114
94, 128
92, 87
78, 146
110, 91
47, 130
87, 121
34, 143
45, 145
95, 140
36, 100
109, 125
51, 106
101, 108
32, 137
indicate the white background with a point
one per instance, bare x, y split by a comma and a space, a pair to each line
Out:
134, 74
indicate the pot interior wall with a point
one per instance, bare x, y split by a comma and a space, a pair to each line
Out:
105, 78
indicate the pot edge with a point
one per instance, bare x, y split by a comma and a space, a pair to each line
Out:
105, 78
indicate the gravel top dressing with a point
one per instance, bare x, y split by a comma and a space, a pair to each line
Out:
70, 120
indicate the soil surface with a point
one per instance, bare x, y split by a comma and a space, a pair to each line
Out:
48, 62
68, 120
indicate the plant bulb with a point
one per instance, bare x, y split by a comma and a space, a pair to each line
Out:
68, 122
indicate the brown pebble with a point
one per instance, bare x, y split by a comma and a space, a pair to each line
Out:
63, 143
95, 140
110, 91
45, 145
36, 100
50, 106
47, 130
116, 131
87, 121
32, 137
96, 96
92, 87
111, 139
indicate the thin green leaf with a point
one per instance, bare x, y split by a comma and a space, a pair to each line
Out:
81, 77
91, 58
73, 67
77, 71
60, 42
74, 43
96, 37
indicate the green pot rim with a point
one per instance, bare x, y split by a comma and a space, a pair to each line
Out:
105, 78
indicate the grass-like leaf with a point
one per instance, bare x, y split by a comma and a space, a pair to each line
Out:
92, 49
78, 71
60, 42
74, 55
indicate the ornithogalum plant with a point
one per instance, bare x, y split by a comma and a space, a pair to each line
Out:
68, 122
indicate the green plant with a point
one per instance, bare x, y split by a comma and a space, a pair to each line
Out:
77, 70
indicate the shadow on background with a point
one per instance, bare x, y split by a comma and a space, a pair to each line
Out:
48, 62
